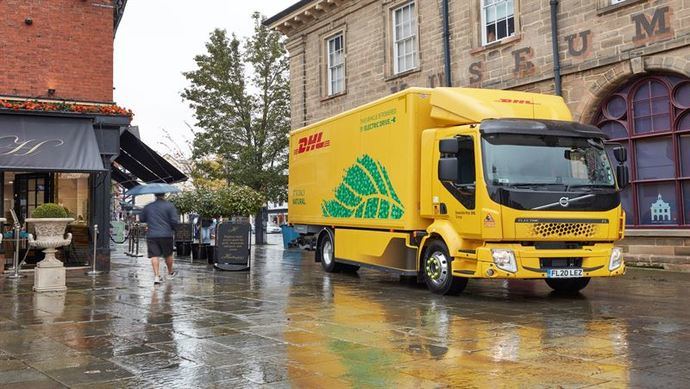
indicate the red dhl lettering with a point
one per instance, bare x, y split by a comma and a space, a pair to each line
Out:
311, 142
514, 101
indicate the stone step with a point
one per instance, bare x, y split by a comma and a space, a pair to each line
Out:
663, 250
670, 262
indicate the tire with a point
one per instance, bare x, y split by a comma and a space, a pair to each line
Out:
326, 250
437, 269
567, 285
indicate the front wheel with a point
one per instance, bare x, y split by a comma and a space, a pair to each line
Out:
438, 270
567, 285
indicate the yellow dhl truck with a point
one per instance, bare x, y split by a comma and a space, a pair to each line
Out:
448, 184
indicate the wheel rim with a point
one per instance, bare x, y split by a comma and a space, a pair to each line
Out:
437, 268
327, 252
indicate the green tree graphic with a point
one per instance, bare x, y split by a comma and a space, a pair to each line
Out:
365, 192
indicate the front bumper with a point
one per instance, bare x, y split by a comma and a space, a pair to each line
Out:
595, 261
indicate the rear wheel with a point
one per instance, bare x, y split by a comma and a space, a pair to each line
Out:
327, 253
567, 285
438, 270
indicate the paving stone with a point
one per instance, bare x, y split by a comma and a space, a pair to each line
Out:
288, 324
19, 375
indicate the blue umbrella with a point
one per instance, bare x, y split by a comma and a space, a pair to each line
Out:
152, 189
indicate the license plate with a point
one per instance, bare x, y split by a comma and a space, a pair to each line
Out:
564, 273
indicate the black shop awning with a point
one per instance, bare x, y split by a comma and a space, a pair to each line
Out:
143, 162
48, 143
123, 178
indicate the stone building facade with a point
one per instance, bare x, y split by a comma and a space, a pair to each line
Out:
624, 66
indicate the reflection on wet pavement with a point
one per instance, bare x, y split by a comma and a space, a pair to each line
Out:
288, 324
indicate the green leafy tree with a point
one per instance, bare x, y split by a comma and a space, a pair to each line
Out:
228, 201
240, 97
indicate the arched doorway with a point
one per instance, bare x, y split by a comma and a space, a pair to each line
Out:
650, 116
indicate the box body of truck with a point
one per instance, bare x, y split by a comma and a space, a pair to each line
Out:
367, 181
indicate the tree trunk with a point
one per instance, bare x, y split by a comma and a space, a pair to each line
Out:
260, 220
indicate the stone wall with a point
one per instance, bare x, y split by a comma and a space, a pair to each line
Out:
647, 249
600, 48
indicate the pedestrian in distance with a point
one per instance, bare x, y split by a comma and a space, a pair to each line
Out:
161, 218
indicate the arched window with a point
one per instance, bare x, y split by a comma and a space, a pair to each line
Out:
650, 117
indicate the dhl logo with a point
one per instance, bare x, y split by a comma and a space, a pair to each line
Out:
514, 101
312, 142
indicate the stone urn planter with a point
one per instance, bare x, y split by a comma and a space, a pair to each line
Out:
49, 275
2, 221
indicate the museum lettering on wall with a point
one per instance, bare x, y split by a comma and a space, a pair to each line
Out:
649, 26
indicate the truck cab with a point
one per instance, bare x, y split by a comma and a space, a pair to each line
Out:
521, 198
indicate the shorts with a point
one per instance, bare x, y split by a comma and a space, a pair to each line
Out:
159, 247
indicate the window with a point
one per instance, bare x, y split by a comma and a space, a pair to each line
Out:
404, 39
498, 20
650, 116
336, 64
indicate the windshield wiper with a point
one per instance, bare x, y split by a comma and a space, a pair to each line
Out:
532, 186
589, 186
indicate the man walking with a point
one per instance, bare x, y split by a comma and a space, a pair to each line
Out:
161, 218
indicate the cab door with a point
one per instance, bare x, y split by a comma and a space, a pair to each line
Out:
457, 178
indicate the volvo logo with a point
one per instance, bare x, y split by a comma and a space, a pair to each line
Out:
564, 202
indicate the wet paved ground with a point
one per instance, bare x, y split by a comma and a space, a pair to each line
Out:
287, 324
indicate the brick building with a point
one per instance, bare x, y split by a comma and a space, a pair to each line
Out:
624, 66
62, 138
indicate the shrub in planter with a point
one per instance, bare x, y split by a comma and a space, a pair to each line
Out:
49, 211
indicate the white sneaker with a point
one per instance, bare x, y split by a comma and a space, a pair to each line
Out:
172, 275
157, 280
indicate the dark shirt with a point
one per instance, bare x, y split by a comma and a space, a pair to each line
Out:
161, 218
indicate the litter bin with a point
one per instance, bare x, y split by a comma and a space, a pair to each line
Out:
289, 235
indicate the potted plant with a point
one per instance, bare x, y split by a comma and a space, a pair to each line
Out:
185, 202
207, 204
236, 202
49, 221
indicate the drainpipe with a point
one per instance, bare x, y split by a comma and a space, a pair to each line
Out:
554, 45
446, 43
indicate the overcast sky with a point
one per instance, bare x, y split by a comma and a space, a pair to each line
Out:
157, 41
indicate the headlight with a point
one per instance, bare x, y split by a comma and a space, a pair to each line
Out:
504, 259
616, 259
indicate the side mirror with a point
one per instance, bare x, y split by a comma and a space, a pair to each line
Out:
449, 146
621, 154
622, 176
448, 169
572, 155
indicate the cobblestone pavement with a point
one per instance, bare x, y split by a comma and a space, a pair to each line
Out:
288, 324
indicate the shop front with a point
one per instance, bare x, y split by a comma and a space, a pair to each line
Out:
71, 159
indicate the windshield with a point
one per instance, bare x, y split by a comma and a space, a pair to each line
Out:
512, 159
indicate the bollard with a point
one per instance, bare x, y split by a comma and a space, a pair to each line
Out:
136, 249
15, 260
130, 244
93, 271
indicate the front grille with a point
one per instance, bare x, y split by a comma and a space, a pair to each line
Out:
547, 230
559, 263
546, 245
